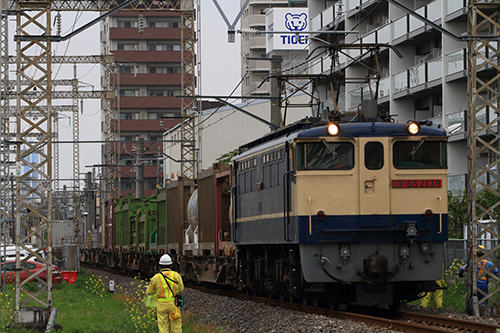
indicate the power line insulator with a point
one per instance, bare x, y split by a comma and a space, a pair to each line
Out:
58, 23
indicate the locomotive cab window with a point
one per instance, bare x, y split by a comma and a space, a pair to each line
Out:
325, 156
374, 155
420, 154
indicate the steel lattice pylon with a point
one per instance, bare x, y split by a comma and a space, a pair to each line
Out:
483, 145
35, 118
4, 125
188, 82
110, 119
34, 157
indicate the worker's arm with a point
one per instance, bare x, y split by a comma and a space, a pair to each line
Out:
152, 287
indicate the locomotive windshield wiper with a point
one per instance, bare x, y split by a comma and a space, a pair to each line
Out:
417, 147
330, 148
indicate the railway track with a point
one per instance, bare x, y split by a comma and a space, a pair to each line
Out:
403, 322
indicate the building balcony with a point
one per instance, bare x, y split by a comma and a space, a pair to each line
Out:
147, 125
417, 78
126, 147
258, 20
150, 171
456, 10
148, 56
456, 64
326, 18
255, 90
149, 102
258, 66
150, 80
149, 33
257, 43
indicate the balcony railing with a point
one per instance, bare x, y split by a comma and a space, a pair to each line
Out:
455, 61
434, 10
326, 17
341, 103
458, 119
384, 87
400, 27
400, 81
358, 94
435, 69
384, 34
454, 5
415, 23
417, 75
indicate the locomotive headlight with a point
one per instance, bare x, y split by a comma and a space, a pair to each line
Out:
428, 213
333, 129
413, 128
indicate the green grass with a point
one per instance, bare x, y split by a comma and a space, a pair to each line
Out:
88, 307
455, 294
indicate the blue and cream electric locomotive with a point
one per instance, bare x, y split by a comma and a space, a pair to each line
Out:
345, 213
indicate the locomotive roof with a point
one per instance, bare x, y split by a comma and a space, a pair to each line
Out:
374, 129
347, 130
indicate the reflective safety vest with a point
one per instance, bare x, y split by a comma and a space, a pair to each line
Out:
481, 274
169, 297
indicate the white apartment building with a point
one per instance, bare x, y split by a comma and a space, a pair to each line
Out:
221, 130
253, 47
428, 82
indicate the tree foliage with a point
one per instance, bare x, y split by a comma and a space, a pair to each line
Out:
457, 211
226, 158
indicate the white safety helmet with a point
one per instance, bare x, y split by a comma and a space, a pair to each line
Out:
165, 260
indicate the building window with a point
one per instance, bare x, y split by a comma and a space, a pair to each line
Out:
155, 93
164, 70
164, 47
163, 24
173, 93
126, 24
127, 47
126, 116
173, 70
128, 92
125, 69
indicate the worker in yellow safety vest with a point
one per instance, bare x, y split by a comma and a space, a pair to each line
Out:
166, 285
437, 295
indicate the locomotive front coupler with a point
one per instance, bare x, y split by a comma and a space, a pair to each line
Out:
411, 230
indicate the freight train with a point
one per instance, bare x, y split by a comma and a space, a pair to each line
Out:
336, 213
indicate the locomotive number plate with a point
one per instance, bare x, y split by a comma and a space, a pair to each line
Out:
416, 183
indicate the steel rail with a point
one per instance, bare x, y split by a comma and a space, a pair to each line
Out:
451, 323
421, 323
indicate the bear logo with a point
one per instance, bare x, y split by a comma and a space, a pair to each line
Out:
296, 22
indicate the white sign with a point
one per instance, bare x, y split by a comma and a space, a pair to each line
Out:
291, 20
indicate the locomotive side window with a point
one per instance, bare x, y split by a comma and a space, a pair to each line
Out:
325, 156
374, 155
420, 154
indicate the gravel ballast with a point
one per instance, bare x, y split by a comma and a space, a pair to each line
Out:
234, 315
